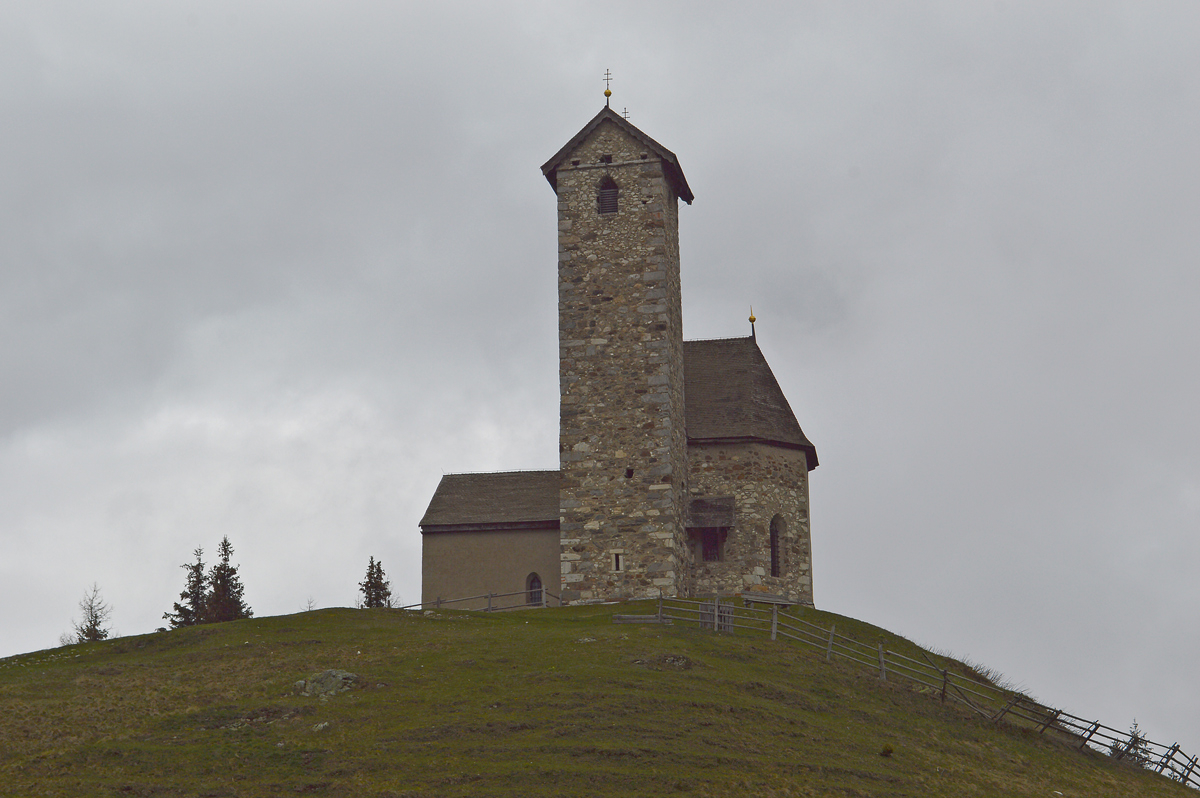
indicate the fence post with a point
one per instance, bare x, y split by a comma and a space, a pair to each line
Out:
774, 619
439, 602
882, 666
945, 681
544, 605
489, 609
1095, 727
1187, 774
1053, 716
1168, 755
1007, 707
660, 618
717, 613
829, 650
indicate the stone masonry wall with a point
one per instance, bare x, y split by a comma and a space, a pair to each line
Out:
622, 445
765, 481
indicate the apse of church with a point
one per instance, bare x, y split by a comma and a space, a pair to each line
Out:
682, 468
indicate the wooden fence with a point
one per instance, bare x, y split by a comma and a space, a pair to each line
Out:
988, 700
542, 598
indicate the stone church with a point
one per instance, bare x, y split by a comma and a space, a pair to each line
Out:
682, 468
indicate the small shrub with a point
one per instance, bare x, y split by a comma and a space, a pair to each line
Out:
1136, 749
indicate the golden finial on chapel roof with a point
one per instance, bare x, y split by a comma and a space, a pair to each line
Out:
607, 90
752, 335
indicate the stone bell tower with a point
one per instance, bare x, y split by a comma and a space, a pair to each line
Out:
622, 442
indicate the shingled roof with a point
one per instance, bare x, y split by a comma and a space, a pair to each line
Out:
508, 500
732, 396
671, 164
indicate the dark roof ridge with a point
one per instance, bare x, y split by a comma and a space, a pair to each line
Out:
673, 170
510, 471
733, 338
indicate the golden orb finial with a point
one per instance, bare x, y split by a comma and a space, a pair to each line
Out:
752, 319
607, 83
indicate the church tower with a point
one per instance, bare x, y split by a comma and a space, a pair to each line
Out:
622, 438
682, 468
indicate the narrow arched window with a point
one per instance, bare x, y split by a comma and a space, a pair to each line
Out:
778, 530
533, 589
606, 196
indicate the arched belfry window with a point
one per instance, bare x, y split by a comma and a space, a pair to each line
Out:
778, 530
606, 195
533, 589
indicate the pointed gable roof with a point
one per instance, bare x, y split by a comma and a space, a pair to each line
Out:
732, 396
670, 162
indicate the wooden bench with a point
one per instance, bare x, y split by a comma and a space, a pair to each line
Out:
640, 619
750, 598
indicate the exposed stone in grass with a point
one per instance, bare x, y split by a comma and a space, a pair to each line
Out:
673, 661
326, 683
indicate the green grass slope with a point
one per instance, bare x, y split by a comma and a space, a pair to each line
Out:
557, 702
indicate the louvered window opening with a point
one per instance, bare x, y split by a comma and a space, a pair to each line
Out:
607, 200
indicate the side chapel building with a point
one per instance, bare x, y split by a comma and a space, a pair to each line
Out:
682, 468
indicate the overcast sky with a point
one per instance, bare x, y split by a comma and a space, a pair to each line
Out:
269, 270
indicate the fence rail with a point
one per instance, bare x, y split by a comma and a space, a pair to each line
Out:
993, 702
541, 598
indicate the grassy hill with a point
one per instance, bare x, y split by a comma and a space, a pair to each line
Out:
557, 702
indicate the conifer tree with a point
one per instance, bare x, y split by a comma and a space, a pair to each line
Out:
376, 589
1136, 749
223, 601
96, 612
191, 611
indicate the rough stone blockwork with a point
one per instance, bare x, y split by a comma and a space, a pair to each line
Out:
622, 445
768, 483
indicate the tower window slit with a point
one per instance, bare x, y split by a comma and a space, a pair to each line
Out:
778, 528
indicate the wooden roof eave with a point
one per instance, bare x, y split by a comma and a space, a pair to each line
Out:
671, 164
810, 451
507, 526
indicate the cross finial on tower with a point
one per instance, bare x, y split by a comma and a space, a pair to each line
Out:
607, 90
753, 337
625, 112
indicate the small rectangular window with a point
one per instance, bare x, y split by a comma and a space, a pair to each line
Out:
708, 543
618, 561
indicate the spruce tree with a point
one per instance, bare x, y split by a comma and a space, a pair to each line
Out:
96, 612
224, 599
191, 611
376, 589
